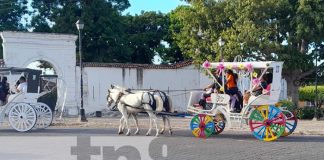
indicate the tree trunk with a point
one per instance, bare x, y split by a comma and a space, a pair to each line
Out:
292, 89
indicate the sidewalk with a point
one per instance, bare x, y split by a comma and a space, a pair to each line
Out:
304, 127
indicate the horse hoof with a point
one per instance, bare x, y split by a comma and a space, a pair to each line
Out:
162, 131
157, 135
136, 133
170, 132
120, 132
147, 134
127, 134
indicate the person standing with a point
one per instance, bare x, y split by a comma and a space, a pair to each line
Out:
231, 89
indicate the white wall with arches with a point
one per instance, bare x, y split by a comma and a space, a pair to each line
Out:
21, 49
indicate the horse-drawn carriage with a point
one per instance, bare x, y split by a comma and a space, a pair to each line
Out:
263, 114
23, 110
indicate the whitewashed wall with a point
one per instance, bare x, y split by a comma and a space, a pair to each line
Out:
99, 79
22, 48
179, 83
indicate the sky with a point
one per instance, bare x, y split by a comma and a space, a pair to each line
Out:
163, 6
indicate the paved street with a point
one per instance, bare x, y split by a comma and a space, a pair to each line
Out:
56, 143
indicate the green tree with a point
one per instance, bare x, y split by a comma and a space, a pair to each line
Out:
282, 30
11, 16
145, 32
103, 29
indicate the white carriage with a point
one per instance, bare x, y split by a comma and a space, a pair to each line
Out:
263, 114
23, 110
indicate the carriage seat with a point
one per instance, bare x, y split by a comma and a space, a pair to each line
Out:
267, 98
209, 100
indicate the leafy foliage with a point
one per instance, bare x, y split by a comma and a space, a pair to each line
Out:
281, 30
107, 36
11, 16
289, 105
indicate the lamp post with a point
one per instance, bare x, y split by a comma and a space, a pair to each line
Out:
316, 78
79, 24
221, 43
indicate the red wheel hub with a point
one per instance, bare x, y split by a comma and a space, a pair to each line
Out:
267, 122
202, 125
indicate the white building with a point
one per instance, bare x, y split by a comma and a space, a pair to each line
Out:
21, 48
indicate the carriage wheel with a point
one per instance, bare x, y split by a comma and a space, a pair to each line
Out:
22, 117
291, 123
202, 126
219, 122
267, 123
44, 115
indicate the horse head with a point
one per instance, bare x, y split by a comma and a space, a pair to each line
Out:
113, 96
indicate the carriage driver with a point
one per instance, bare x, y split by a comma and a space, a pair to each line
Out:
209, 89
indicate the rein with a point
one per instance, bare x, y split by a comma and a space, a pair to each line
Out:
114, 108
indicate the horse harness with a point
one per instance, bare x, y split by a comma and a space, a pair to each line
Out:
152, 101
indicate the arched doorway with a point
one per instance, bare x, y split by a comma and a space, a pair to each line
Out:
49, 85
21, 49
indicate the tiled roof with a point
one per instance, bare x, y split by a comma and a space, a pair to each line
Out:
132, 65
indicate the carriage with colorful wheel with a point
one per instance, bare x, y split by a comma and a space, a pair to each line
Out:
22, 109
262, 114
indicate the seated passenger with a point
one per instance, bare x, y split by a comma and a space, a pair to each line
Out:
22, 87
266, 90
258, 89
4, 91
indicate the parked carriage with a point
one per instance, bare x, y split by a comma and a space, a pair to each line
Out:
23, 110
263, 114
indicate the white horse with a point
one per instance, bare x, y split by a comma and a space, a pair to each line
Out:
167, 107
134, 103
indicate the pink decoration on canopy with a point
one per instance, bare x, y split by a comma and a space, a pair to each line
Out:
255, 81
221, 67
206, 64
234, 67
249, 67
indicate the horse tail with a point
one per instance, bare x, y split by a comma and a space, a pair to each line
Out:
159, 103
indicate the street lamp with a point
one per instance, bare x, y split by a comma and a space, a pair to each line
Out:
316, 94
79, 24
221, 43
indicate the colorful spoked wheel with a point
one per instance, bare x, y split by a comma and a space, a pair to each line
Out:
291, 123
202, 126
267, 123
219, 122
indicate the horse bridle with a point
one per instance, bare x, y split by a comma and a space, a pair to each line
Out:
114, 108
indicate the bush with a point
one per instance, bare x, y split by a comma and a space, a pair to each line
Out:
305, 113
289, 105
